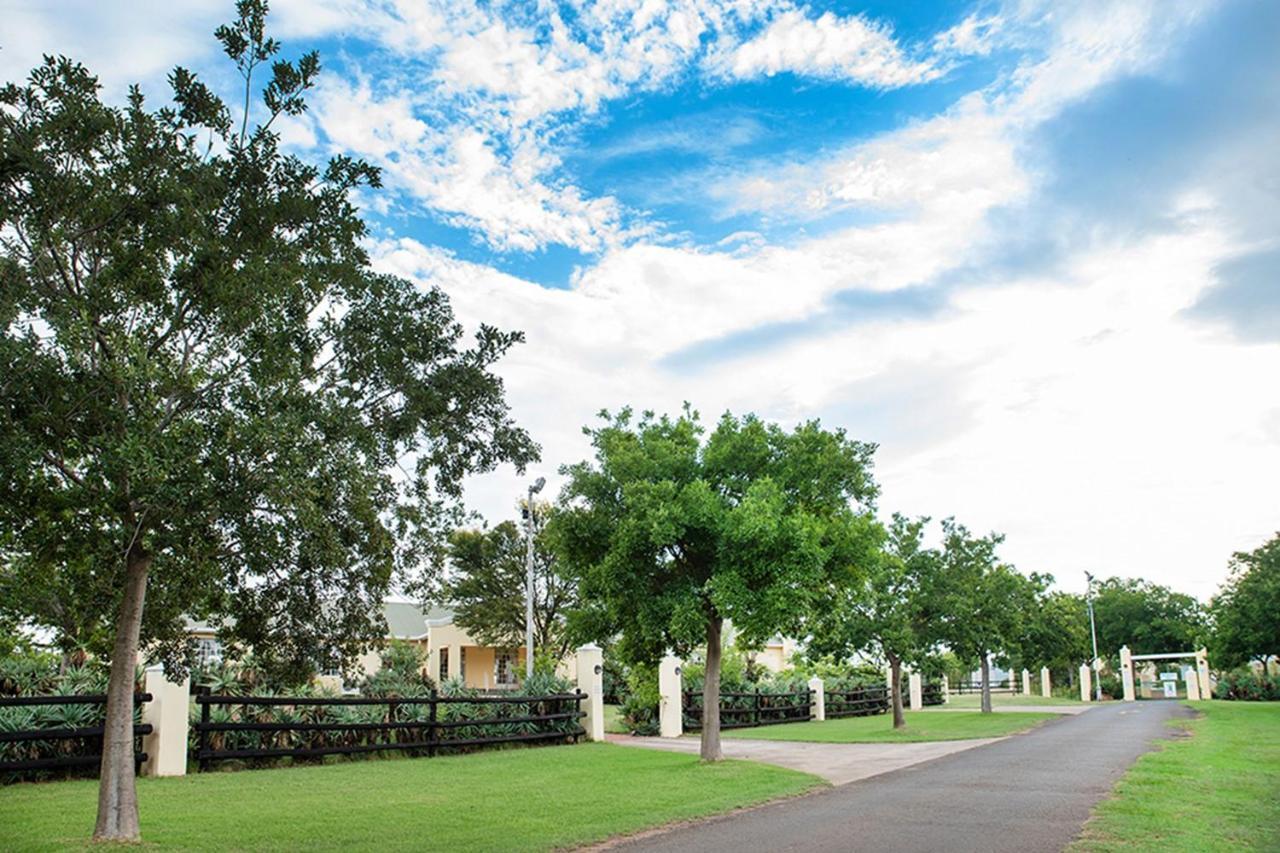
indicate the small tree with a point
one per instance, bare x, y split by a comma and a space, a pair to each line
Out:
487, 587
982, 602
890, 611
1246, 612
670, 535
205, 388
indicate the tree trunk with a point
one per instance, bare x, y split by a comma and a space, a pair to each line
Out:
895, 689
711, 693
117, 793
986, 684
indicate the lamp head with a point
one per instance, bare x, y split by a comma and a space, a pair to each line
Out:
537, 485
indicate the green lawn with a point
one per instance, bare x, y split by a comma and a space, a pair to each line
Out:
613, 723
972, 700
1218, 789
519, 799
921, 726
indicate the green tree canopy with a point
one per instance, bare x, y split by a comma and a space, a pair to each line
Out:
203, 387
487, 586
670, 534
1246, 613
1056, 634
983, 603
890, 611
1147, 617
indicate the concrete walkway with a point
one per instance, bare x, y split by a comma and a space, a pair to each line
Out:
838, 763
1030, 792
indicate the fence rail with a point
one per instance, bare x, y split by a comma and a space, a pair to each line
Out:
857, 702
70, 745
419, 725
756, 709
963, 687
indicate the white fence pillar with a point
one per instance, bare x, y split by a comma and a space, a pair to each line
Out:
591, 682
946, 690
1126, 674
819, 706
1202, 672
1026, 683
166, 746
917, 693
1086, 684
671, 698
1193, 686
1045, 689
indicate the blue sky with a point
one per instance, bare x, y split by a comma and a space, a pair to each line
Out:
1030, 248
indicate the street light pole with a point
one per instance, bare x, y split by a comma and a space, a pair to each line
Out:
528, 576
1093, 632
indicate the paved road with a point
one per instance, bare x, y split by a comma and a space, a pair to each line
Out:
1031, 792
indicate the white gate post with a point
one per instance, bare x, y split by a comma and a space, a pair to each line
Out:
917, 693
1086, 684
946, 690
1202, 671
1045, 689
1193, 686
591, 682
1026, 682
819, 706
166, 746
1126, 673
671, 698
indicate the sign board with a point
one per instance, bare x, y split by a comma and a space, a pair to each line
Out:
1168, 676
1170, 689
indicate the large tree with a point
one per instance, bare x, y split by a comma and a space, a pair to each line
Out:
670, 534
890, 610
487, 586
1246, 613
1147, 617
982, 602
1056, 633
205, 390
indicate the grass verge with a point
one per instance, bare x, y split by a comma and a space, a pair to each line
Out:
520, 799
921, 726
613, 723
1218, 789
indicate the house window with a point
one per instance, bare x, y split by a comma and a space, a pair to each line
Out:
208, 652
444, 664
462, 663
502, 670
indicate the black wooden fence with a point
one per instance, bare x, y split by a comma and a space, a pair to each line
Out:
931, 693
739, 710
963, 687
56, 737
240, 728
857, 702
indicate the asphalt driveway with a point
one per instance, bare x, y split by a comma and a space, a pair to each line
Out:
1030, 792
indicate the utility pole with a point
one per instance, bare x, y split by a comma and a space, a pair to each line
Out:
528, 576
1093, 632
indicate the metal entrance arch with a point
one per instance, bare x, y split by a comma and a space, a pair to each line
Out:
1204, 688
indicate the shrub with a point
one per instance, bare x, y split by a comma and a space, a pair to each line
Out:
1249, 686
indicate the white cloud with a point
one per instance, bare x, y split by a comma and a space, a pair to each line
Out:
855, 49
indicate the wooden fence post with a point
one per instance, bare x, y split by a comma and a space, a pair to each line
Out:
946, 690
1026, 682
916, 690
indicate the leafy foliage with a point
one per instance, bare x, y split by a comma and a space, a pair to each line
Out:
487, 588
670, 535
1147, 617
1247, 685
1245, 612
